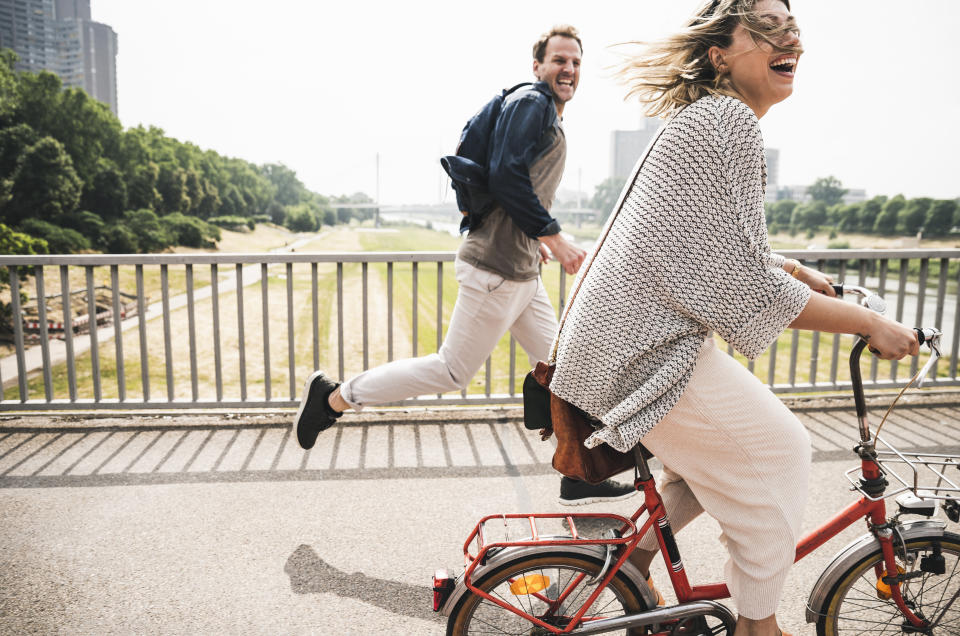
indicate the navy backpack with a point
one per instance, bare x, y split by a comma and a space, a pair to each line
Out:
468, 167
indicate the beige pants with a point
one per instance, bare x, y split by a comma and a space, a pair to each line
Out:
487, 307
731, 448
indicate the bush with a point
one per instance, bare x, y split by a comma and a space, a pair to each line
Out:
119, 239
152, 236
87, 223
60, 240
190, 231
233, 222
16, 243
838, 245
301, 218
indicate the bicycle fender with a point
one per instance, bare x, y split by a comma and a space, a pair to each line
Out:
511, 553
854, 552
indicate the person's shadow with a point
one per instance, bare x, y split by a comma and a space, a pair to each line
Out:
309, 574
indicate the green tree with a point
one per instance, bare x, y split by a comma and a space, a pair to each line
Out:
44, 184
828, 190
848, 217
810, 216
289, 189
939, 219
13, 141
142, 187
8, 86
606, 195
869, 212
783, 212
911, 218
106, 193
172, 186
886, 222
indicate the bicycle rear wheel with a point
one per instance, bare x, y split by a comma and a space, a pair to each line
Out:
533, 585
856, 606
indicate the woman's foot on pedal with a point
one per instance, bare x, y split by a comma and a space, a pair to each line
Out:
574, 492
656, 592
315, 414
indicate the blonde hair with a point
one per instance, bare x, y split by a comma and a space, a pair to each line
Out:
564, 31
677, 71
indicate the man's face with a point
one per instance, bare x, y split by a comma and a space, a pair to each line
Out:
560, 68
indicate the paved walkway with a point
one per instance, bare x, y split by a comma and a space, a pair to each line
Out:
220, 525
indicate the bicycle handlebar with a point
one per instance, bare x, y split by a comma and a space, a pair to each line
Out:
929, 336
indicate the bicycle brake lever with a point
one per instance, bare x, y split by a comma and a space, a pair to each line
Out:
934, 344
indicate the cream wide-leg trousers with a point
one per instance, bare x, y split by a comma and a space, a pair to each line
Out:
731, 448
487, 307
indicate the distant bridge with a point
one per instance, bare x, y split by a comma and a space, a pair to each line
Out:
576, 215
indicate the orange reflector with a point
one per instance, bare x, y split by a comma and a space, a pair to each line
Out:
530, 584
883, 590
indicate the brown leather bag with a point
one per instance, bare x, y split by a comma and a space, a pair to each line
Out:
572, 426
542, 409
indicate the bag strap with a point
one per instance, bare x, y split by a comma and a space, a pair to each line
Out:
628, 186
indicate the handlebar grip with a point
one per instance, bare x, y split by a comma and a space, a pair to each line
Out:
920, 337
838, 289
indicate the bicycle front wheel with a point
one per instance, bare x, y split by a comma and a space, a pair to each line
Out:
550, 587
858, 605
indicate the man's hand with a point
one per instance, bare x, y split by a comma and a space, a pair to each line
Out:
570, 256
544, 254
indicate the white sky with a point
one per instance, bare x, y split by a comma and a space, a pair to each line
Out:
324, 86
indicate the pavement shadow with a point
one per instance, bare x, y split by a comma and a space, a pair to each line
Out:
309, 574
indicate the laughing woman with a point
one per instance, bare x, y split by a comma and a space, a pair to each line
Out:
687, 255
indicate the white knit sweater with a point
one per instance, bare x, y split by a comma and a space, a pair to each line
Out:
687, 254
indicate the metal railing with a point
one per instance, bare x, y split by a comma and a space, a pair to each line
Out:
210, 351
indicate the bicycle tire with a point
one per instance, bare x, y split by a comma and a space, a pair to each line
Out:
854, 605
620, 596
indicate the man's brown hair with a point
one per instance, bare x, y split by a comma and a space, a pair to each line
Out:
563, 30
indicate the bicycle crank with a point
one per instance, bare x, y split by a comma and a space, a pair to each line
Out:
687, 617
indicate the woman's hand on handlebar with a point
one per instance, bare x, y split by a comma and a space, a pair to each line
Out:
816, 280
890, 340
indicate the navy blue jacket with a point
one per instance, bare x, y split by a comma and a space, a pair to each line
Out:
517, 140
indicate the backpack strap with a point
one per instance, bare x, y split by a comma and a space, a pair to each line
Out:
507, 91
628, 186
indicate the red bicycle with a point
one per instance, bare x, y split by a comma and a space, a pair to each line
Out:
902, 576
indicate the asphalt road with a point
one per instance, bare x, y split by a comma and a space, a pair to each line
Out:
217, 525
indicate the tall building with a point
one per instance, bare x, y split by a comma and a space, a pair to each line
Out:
59, 36
626, 146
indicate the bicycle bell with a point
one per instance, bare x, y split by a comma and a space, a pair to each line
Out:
875, 302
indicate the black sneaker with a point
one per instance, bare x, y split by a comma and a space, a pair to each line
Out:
315, 414
574, 492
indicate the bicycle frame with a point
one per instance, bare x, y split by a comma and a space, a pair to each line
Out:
872, 508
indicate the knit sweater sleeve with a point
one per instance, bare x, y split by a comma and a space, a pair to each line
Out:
720, 272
